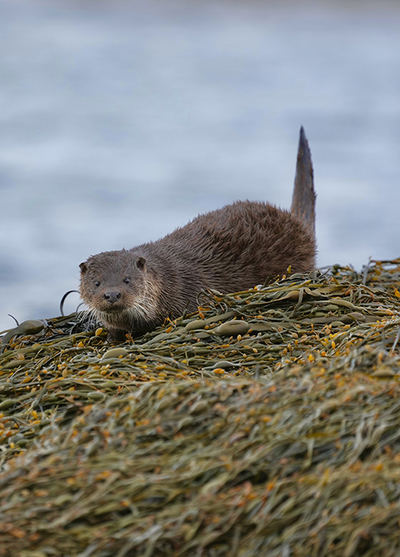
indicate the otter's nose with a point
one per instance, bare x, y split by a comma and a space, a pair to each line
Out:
112, 296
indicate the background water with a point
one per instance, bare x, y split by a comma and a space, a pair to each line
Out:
121, 120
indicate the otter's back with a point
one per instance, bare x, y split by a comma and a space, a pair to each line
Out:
242, 244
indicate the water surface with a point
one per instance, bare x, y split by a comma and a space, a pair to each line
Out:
122, 120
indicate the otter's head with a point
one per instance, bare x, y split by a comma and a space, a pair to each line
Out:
115, 285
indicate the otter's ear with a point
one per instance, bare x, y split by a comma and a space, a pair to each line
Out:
83, 267
140, 263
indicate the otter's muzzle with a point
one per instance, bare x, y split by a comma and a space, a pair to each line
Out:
112, 296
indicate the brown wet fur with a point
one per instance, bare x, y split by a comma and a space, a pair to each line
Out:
230, 249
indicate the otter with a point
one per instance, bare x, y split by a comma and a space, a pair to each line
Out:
229, 249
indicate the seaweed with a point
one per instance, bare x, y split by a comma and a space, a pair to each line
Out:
268, 423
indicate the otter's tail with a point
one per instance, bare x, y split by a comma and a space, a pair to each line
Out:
303, 200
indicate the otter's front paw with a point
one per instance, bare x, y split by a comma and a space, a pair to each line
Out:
116, 335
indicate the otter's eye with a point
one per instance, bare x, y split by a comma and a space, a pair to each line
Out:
127, 280
97, 283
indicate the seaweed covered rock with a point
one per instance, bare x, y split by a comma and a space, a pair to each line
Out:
279, 435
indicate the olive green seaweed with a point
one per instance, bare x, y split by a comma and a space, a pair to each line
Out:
268, 423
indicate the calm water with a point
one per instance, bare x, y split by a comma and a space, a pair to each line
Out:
121, 120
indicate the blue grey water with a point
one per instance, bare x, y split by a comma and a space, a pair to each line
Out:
122, 120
